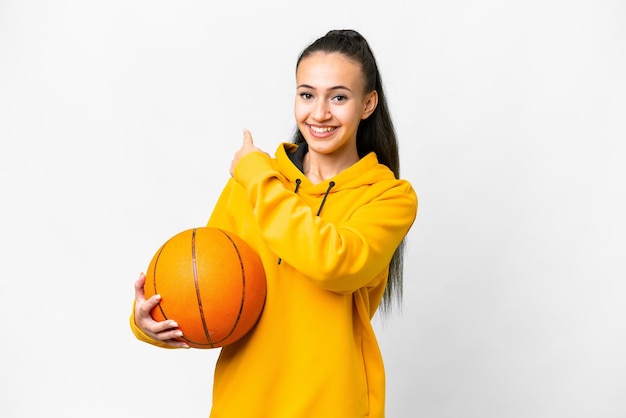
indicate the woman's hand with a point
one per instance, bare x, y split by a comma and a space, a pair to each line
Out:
245, 149
164, 331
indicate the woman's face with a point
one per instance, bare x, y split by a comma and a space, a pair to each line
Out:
330, 102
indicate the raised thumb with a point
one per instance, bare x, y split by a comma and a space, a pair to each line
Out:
247, 137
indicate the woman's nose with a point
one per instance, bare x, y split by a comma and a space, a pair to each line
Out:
321, 111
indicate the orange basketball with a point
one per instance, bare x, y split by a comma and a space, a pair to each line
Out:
211, 282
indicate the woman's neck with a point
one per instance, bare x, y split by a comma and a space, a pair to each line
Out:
319, 167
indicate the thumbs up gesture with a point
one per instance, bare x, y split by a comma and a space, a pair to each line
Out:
247, 147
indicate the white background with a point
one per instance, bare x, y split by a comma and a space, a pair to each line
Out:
118, 121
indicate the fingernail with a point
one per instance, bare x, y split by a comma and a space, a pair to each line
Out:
174, 324
178, 333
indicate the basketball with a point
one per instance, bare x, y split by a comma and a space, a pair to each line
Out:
211, 282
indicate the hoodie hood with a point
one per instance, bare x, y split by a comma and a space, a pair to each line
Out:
364, 172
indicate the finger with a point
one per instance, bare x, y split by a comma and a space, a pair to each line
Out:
172, 337
139, 292
150, 304
169, 334
167, 325
177, 343
247, 137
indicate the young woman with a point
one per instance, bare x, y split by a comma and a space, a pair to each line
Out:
328, 216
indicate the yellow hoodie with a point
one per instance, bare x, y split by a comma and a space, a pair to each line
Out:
326, 249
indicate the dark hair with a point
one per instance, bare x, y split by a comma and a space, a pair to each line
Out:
375, 134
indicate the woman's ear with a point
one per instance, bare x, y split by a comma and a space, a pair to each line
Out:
371, 101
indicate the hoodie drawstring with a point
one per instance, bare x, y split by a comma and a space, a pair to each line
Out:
330, 186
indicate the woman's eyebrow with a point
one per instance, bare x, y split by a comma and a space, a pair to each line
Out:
339, 87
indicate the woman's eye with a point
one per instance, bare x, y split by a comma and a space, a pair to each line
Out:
306, 96
340, 98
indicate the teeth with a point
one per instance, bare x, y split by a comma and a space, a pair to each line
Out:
320, 129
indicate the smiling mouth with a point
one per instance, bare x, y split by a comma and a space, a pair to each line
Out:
322, 129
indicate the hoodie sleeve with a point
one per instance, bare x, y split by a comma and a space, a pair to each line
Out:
340, 257
220, 217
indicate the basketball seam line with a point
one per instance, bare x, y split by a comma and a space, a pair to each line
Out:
197, 284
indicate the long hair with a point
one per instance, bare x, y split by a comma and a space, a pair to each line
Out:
374, 134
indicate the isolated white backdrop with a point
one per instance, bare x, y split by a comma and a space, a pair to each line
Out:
118, 120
